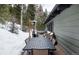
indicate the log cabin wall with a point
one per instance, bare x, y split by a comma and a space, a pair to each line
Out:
66, 27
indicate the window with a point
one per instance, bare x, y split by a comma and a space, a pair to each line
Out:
50, 26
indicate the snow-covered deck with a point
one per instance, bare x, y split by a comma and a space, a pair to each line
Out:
39, 43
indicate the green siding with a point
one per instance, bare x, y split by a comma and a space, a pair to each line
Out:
66, 27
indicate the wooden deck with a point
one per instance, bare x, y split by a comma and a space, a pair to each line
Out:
59, 50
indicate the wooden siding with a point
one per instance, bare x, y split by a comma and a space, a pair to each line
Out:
66, 27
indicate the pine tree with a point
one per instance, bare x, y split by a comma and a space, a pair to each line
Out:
16, 12
30, 14
4, 12
31, 11
45, 14
40, 16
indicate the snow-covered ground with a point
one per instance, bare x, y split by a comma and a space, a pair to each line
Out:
11, 43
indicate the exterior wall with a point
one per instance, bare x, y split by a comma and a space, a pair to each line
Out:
40, 52
50, 26
66, 27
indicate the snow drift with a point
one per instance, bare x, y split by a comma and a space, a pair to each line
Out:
10, 43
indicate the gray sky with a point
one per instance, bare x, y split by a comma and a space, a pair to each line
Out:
49, 7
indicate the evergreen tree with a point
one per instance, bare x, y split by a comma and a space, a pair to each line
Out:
16, 12
45, 14
30, 13
4, 12
41, 16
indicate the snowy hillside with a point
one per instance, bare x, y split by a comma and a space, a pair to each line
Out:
11, 43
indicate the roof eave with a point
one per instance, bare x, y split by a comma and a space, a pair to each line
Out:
51, 13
